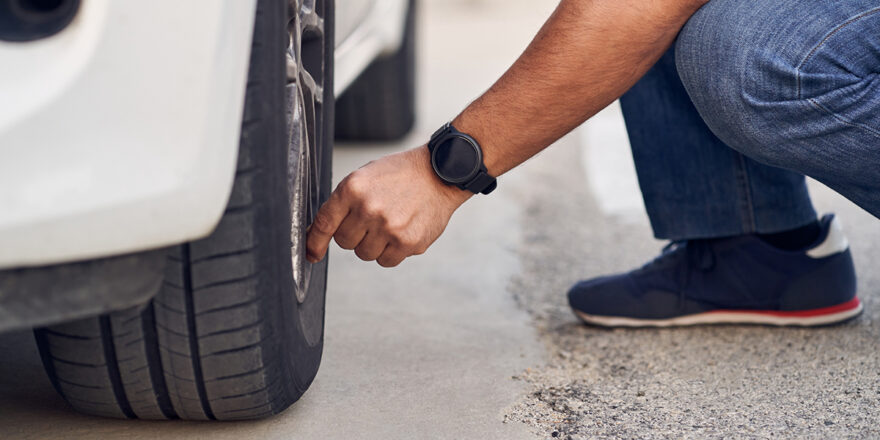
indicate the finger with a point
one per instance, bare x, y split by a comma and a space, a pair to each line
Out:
351, 232
392, 256
371, 247
326, 222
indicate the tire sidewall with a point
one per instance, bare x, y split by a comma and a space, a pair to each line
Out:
302, 358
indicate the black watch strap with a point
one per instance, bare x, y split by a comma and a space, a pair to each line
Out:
482, 183
440, 131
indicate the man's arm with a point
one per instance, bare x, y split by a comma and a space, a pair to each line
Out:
586, 55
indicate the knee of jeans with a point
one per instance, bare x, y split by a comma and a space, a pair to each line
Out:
718, 71
762, 77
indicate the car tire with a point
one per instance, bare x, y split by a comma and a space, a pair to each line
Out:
381, 104
236, 331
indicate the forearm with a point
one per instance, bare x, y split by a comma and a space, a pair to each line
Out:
584, 57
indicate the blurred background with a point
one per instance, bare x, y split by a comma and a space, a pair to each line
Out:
475, 340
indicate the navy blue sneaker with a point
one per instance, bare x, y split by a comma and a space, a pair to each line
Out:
739, 280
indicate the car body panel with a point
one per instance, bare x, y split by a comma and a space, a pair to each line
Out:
349, 16
120, 133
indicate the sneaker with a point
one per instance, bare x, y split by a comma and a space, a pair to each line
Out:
736, 280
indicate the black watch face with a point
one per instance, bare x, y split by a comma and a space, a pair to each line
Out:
456, 160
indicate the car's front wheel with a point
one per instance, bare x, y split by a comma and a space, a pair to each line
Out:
236, 331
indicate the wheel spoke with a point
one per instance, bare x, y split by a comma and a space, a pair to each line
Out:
308, 82
292, 68
311, 23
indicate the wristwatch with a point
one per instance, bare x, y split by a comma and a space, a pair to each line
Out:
458, 160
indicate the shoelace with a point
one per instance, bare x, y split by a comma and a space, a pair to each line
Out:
699, 256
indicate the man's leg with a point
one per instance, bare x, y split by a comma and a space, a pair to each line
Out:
792, 83
695, 186
788, 83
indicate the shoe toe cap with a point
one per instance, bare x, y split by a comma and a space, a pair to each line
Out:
599, 296
621, 296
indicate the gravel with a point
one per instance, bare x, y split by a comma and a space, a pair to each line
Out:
703, 382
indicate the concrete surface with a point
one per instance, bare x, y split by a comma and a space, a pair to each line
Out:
426, 350
707, 382
475, 340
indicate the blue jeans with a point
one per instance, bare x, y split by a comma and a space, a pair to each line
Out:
754, 95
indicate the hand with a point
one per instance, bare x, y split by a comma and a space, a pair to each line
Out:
388, 210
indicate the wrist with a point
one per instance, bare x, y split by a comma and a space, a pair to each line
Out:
468, 122
453, 194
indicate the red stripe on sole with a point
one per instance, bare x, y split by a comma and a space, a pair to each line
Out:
849, 305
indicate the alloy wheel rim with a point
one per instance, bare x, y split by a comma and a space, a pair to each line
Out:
305, 92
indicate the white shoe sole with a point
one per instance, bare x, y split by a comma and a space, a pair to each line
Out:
802, 318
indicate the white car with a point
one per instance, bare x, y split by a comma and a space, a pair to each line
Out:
159, 164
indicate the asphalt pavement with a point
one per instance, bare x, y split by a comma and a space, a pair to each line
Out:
474, 339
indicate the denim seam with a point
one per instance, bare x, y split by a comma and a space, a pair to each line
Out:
815, 103
747, 208
824, 40
842, 119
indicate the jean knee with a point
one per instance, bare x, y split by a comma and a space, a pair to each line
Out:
765, 76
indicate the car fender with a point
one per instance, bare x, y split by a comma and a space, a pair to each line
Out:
120, 133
